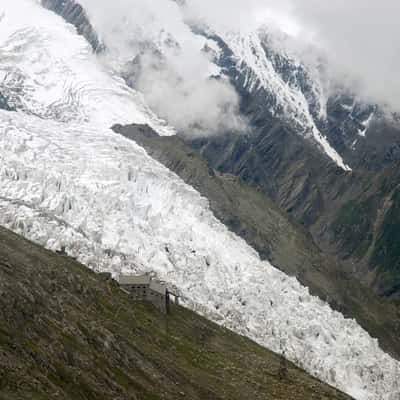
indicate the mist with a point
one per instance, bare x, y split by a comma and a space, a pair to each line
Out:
358, 38
149, 43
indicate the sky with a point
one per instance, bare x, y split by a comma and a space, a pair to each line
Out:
358, 38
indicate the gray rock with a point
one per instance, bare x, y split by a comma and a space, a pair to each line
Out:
74, 13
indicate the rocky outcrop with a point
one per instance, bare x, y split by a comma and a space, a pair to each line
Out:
74, 13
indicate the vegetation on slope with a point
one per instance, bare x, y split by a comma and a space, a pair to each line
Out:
353, 227
365, 229
67, 333
386, 252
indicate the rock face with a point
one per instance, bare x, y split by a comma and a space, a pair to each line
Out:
73, 13
274, 82
346, 213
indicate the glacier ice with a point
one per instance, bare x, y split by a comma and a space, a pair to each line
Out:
47, 74
67, 179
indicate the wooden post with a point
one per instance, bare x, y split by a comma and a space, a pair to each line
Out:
283, 368
167, 303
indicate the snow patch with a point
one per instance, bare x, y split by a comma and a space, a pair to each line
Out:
366, 124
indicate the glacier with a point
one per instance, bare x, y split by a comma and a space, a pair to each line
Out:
47, 74
66, 179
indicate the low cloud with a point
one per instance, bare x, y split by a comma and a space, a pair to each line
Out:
149, 43
359, 38
193, 104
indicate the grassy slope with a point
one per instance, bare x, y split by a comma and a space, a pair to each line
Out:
67, 333
366, 229
254, 217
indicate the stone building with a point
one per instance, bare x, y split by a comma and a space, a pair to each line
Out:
144, 288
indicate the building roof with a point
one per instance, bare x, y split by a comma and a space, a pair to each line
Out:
156, 286
134, 279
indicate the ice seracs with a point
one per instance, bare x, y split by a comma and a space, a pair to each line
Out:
67, 179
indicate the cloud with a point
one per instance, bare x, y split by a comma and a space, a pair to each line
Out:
193, 104
149, 43
359, 38
242, 14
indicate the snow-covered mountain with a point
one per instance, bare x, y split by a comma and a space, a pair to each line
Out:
273, 75
276, 79
68, 179
291, 90
287, 88
280, 78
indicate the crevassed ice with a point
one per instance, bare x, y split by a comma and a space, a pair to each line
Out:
49, 71
66, 178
